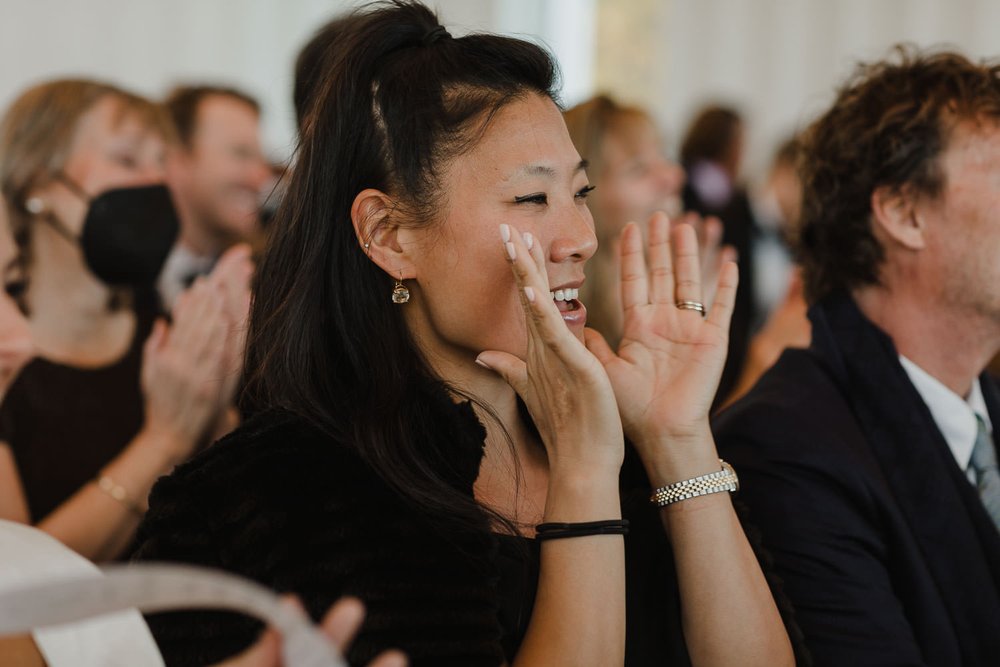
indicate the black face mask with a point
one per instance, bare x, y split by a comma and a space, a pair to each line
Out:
127, 234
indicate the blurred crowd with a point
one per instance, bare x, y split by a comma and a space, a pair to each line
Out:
166, 287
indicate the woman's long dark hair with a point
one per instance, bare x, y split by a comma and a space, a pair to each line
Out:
397, 100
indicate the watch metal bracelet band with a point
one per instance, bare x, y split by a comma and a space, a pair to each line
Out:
714, 482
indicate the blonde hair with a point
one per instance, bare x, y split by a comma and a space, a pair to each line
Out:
590, 123
36, 135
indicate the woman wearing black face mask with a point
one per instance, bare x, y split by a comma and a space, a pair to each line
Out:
115, 398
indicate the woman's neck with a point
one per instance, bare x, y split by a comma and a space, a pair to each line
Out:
513, 476
68, 305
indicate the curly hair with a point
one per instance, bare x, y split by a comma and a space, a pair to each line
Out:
888, 127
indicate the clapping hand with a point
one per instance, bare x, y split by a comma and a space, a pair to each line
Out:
667, 367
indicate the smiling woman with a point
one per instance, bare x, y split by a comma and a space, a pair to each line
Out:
455, 459
112, 400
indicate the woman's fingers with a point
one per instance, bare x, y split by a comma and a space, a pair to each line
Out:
721, 312
343, 620
390, 659
528, 264
156, 337
513, 370
635, 283
687, 267
190, 311
598, 346
661, 271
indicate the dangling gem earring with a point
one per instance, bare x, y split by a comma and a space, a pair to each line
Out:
399, 293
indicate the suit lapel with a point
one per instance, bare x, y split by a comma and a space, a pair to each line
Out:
940, 506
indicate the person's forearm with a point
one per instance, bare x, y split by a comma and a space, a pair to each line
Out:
98, 526
579, 613
728, 613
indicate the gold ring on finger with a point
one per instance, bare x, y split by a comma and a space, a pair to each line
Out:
692, 305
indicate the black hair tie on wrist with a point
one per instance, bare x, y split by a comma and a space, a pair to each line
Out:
434, 34
558, 531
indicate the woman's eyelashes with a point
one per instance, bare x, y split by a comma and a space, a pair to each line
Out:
16, 287
542, 198
536, 198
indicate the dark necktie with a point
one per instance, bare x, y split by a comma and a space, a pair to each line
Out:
984, 464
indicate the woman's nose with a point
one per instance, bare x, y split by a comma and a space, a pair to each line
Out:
575, 238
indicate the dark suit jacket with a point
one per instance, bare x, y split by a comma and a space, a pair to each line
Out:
885, 548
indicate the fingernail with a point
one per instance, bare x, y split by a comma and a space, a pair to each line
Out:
505, 233
483, 363
511, 252
529, 240
530, 294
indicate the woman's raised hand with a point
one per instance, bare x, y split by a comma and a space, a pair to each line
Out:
712, 255
184, 370
565, 388
232, 274
667, 368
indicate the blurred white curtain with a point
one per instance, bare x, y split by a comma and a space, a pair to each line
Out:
777, 60
150, 45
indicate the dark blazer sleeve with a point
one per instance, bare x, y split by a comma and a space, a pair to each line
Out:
301, 514
825, 533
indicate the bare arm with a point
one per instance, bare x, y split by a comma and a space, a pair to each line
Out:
181, 376
665, 374
579, 613
94, 524
728, 613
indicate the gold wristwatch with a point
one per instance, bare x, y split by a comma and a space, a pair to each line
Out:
714, 482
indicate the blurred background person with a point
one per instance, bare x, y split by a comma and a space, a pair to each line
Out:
218, 176
775, 205
870, 459
633, 178
778, 299
114, 398
712, 155
30, 555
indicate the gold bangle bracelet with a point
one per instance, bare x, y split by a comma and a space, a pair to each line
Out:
118, 493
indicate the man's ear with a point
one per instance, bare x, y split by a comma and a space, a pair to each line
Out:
896, 213
372, 214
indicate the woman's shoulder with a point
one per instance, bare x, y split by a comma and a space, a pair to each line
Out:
262, 440
276, 461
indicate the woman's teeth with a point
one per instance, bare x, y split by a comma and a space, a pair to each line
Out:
565, 294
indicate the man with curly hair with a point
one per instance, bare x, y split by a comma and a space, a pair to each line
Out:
869, 460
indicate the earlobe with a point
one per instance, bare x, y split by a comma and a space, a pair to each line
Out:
378, 233
897, 215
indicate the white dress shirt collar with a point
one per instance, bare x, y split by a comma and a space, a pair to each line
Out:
955, 416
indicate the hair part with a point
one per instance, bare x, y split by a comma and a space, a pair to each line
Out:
888, 127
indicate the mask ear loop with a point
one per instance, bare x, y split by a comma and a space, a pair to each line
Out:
49, 217
73, 187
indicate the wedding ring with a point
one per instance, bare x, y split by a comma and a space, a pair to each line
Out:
691, 305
